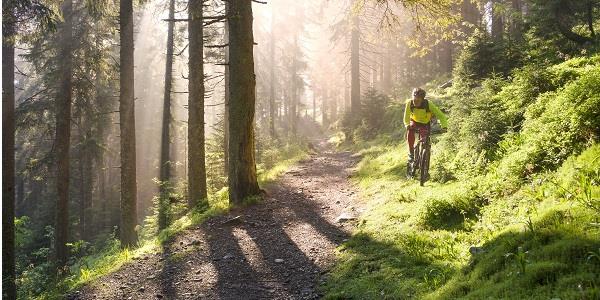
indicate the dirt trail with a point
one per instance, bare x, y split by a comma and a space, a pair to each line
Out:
277, 249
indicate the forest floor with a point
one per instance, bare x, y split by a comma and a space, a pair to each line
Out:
280, 248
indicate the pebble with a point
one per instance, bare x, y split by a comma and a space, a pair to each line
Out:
278, 260
344, 217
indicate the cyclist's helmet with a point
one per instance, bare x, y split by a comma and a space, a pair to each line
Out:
419, 92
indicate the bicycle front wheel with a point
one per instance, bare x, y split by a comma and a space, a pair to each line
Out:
424, 165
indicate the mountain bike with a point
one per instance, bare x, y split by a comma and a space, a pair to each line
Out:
421, 159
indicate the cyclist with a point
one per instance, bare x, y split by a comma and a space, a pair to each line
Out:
417, 116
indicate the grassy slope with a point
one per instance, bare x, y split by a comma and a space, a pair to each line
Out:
414, 242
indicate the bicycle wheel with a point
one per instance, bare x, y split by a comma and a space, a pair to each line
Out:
424, 165
417, 158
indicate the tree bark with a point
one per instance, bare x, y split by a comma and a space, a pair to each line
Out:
165, 145
562, 13
314, 106
355, 69
226, 96
8, 152
63, 136
324, 118
334, 108
272, 80
497, 22
387, 70
242, 167
294, 90
128, 235
590, 17
196, 149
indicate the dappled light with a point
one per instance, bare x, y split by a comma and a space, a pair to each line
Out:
285, 149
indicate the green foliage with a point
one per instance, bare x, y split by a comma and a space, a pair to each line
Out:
481, 57
277, 159
370, 123
517, 215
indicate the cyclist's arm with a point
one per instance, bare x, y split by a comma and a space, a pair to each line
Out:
407, 114
439, 114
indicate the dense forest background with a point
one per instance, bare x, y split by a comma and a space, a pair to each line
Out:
128, 121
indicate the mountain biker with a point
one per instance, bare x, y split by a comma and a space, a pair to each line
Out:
417, 116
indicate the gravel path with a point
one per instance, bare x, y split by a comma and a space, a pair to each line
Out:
280, 248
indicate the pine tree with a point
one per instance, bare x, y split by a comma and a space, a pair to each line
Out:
197, 195
165, 144
242, 96
128, 234
8, 151
63, 135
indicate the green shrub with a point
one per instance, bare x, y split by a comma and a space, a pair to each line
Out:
450, 212
562, 123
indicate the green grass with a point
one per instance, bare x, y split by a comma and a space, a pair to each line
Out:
413, 242
279, 162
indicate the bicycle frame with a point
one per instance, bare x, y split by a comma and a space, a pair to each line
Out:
421, 161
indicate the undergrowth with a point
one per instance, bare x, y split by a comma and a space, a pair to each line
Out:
512, 210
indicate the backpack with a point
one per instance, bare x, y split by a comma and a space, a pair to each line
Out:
425, 105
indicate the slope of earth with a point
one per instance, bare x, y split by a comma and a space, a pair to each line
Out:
279, 248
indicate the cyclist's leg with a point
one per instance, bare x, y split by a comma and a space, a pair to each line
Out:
424, 132
410, 139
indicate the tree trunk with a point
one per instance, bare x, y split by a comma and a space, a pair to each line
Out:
387, 70
63, 136
227, 95
87, 187
324, 118
165, 163
272, 80
8, 152
242, 166
355, 70
515, 19
196, 156
562, 22
294, 90
590, 17
497, 21
470, 13
334, 108
314, 106
82, 199
128, 222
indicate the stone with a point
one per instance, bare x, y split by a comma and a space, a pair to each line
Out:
344, 217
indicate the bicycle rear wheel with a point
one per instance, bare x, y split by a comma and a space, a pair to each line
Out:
412, 166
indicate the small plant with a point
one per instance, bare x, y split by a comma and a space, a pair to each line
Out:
126, 254
588, 182
85, 274
434, 278
593, 256
521, 259
529, 225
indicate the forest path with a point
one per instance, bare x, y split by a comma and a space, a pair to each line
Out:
279, 248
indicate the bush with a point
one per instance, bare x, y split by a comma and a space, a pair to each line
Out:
481, 57
558, 125
450, 212
371, 121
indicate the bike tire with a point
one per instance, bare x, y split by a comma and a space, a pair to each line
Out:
424, 166
417, 158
